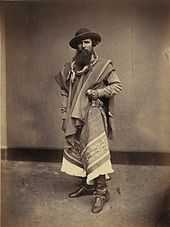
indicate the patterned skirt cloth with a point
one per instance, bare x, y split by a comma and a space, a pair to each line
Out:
87, 153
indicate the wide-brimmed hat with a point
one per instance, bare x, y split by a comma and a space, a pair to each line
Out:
85, 33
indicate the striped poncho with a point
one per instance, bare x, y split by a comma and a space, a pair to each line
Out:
86, 151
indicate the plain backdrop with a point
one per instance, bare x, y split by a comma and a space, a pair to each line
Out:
134, 35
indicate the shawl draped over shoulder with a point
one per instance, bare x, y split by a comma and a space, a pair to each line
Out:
78, 104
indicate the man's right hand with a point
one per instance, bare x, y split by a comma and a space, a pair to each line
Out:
63, 127
93, 94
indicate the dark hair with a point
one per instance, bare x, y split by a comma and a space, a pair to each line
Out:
94, 42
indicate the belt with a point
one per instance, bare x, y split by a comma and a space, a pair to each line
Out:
97, 103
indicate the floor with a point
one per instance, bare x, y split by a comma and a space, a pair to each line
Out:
36, 194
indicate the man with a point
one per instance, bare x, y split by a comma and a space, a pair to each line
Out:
87, 83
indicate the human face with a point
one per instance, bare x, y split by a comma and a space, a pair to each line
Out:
86, 44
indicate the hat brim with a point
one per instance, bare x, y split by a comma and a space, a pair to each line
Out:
88, 35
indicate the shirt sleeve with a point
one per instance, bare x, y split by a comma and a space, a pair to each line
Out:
113, 86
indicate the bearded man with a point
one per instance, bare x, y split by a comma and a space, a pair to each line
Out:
87, 85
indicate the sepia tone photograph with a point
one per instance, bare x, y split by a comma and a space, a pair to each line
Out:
85, 113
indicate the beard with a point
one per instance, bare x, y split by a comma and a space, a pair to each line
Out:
83, 58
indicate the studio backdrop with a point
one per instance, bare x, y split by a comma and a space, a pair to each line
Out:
135, 35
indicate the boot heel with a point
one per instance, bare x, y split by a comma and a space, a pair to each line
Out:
82, 191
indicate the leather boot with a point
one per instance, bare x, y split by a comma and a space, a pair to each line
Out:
83, 190
101, 195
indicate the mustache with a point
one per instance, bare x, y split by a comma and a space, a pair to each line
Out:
83, 58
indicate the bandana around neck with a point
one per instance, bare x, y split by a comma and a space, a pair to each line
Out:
73, 72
